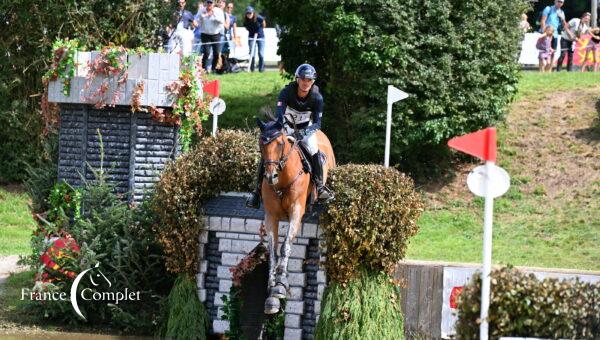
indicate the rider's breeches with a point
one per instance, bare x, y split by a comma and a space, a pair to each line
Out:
310, 143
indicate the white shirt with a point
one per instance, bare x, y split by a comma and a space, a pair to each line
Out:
577, 28
212, 24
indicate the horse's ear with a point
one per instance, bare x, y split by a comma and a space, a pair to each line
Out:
260, 124
278, 125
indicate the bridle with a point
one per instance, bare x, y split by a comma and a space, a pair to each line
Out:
281, 165
281, 162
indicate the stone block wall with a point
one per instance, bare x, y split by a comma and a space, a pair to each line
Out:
230, 237
153, 70
136, 148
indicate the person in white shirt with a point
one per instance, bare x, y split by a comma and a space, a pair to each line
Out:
576, 28
212, 21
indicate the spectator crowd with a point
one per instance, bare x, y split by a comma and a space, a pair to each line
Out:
559, 38
210, 31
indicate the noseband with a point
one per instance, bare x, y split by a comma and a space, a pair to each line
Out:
283, 158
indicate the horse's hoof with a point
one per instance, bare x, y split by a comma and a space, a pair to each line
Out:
272, 305
278, 291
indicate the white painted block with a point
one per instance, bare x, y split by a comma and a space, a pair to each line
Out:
297, 279
82, 60
231, 259
202, 295
253, 226
225, 286
203, 237
292, 334
298, 251
174, 67
242, 246
138, 66
292, 321
321, 277
295, 293
200, 280
223, 272
320, 291
221, 326
295, 265
224, 245
309, 230
292, 307
152, 92
164, 60
203, 266
237, 225
153, 65
219, 298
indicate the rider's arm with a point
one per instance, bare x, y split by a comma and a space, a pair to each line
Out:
316, 116
281, 105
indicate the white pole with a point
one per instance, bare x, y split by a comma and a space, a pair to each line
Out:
388, 135
215, 119
487, 254
594, 13
252, 51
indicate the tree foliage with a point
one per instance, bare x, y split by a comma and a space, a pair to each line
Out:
456, 58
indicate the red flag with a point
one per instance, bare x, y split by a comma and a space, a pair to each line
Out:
480, 144
212, 87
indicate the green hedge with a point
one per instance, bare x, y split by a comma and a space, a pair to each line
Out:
367, 307
225, 163
522, 305
369, 221
456, 58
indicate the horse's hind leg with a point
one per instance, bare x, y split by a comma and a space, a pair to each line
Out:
272, 304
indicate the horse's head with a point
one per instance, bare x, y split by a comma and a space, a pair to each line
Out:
273, 146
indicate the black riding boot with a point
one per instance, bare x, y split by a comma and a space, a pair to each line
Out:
317, 175
254, 201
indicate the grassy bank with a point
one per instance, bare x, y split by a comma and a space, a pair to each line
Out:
16, 222
551, 215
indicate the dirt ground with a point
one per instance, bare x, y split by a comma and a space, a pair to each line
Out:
549, 145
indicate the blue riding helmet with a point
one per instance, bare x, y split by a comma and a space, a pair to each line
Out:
306, 71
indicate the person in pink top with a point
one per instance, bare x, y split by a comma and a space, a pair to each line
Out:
544, 45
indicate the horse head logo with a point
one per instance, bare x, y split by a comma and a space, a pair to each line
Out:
96, 277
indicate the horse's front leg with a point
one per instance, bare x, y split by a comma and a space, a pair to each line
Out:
272, 304
282, 285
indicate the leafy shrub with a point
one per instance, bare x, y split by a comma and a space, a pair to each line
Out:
367, 307
108, 232
225, 163
41, 176
187, 318
521, 305
457, 59
369, 221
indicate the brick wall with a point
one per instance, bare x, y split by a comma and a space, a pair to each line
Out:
136, 148
228, 239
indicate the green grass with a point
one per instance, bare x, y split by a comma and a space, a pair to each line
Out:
530, 228
534, 83
16, 223
245, 94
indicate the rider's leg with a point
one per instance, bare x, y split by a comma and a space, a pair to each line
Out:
254, 200
311, 144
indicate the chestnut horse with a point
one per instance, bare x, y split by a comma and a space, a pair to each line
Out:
285, 189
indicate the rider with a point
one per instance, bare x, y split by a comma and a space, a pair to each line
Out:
301, 103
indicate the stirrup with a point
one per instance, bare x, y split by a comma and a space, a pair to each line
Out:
324, 194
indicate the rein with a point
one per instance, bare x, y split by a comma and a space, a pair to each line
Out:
281, 163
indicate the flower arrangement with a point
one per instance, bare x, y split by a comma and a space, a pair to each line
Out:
189, 107
111, 64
